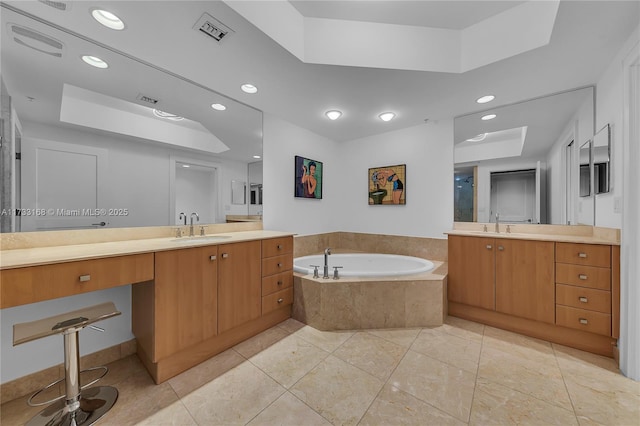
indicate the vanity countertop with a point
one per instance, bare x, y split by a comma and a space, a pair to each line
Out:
18, 258
559, 233
243, 218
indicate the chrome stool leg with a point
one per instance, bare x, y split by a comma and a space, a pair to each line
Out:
79, 405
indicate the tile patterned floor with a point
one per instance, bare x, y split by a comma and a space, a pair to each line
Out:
456, 374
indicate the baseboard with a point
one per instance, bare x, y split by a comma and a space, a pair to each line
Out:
32, 382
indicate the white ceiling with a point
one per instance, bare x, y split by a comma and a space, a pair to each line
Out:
583, 43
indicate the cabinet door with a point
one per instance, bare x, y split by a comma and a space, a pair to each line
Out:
525, 280
239, 284
185, 298
471, 271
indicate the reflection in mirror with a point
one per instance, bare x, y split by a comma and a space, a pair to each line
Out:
585, 169
601, 160
536, 135
238, 192
97, 144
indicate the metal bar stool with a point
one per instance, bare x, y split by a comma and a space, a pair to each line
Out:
78, 406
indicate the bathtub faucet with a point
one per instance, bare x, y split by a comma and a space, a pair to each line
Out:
327, 252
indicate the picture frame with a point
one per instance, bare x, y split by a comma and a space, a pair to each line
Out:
387, 185
307, 178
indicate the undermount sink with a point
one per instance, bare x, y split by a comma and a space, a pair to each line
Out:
199, 238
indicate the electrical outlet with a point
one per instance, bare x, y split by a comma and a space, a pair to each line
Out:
617, 204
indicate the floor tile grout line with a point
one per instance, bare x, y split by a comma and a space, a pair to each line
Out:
573, 407
475, 382
270, 404
310, 407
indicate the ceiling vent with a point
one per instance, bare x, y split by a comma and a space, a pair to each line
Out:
37, 41
211, 27
147, 99
59, 5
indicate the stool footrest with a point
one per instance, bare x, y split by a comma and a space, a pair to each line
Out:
58, 398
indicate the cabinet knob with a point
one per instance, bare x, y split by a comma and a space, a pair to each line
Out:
583, 299
489, 246
583, 321
582, 276
279, 265
225, 255
582, 255
279, 246
500, 248
280, 300
85, 278
212, 257
279, 282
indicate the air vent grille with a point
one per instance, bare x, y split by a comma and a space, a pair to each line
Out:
56, 4
211, 27
147, 99
37, 41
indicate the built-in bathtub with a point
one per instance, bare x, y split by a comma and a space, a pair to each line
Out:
373, 291
364, 264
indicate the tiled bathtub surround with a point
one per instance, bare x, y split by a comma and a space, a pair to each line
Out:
362, 303
425, 248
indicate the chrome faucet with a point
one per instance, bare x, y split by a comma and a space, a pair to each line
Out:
327, 252
183, 217
191, 227
497, 223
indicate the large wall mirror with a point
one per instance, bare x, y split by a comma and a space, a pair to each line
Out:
523, 166
128, 145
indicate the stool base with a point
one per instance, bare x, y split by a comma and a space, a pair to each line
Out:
94, 403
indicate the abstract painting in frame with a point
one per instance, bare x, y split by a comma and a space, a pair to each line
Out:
308, 178
387, 185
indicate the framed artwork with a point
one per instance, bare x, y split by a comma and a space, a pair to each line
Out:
307, 178
387, 185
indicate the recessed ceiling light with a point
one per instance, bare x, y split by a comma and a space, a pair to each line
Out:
256, 156
387, 116
186, 165
478, 138
94, 61
218, 107
333, 114
485, 99
488, 117
249, 88
167, 115
108, 19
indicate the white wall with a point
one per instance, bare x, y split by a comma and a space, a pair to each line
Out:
427, 150
194, 193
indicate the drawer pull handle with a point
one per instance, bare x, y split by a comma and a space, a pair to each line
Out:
279, 265
500, 248
225, 255
489, 246
85, 278
583, 321
582, 255
279, 246
280, 300
583, 299
582, 276
279, 282
212, 257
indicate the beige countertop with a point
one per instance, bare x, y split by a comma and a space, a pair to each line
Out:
244, 218
563, 238
67, 253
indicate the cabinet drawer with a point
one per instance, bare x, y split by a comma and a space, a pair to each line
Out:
583, 276
277, 282
277, 264
277, 246
37, 283
583, 298
584, 254
581, 319
277, 300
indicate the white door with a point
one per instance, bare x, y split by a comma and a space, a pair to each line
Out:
513, 196
62, 186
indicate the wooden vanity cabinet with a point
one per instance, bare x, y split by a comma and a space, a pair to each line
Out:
277, 273
185, 299
525, 284
239, 284
471, 277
